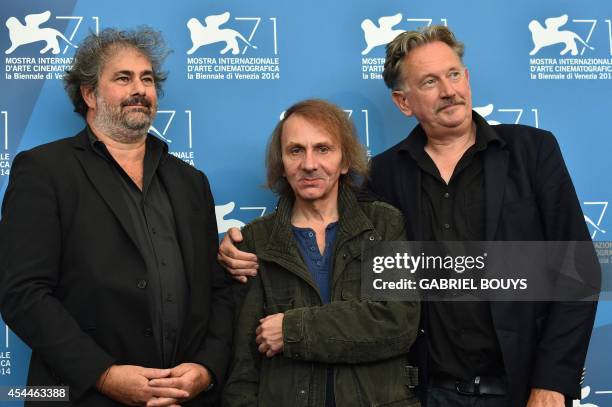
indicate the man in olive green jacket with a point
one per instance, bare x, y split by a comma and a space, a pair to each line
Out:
304, 337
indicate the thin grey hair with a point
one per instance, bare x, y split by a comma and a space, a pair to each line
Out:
95, 51
409, 40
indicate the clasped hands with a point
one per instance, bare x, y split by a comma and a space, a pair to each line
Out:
141, 386
269, 335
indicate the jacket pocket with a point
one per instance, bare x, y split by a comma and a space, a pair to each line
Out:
277, 306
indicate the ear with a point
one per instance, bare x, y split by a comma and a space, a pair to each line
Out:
89, 96
401, 101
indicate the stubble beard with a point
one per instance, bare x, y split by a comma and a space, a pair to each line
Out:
124, 126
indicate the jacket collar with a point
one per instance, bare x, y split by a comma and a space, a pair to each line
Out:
100, 173
282, 248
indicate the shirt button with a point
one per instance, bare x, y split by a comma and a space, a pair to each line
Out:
302, 392
446, 226
163, 262
312, 248
371, 237
318, 262
142, 284
446, 195
310, 234
154, 231
148, 332
169, 298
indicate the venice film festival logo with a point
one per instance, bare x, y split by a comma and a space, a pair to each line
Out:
377, 35
562, 49
513, 115
238, 48
38, 49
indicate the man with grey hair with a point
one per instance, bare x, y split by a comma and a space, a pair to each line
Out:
108, 246
455, 177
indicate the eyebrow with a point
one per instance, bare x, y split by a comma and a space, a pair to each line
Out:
130, 73
452, 68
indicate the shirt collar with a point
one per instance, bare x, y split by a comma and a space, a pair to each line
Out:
415, 143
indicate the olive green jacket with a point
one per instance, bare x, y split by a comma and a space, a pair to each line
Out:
365, 342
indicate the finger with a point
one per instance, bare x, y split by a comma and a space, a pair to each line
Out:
161, 402
263, 348
172, 382
259, 328
240, 279
235, 234
168, 392
151, 373
238, 266
270, 353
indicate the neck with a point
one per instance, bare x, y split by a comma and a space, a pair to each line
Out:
450, 144
110, 131
312, 213
121, 151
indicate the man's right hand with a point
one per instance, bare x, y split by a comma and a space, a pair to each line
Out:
129, 385
238, 264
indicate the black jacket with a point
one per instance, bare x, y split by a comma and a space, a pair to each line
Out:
529, 196
73, 282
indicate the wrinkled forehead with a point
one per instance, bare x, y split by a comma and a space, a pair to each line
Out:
325, 127
432, 57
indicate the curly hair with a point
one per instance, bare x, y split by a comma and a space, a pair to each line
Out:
96, 50
333, 120
409, 40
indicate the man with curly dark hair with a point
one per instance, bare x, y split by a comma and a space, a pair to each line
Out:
108, 246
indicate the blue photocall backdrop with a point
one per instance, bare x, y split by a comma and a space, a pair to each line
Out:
237, 64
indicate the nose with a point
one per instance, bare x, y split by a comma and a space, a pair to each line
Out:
310, 162
138, 87
447, 89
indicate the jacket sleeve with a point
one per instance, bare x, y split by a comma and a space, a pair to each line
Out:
562, 348
243, 382
30, 257
352, 331
215, 352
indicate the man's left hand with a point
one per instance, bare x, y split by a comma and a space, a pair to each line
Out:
270, 334
545, 398
190, 377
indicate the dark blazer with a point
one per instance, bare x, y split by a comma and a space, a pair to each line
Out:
529, 197
74, 282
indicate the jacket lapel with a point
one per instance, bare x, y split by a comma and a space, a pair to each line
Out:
495, 162
409, 185
103, 179
281, 247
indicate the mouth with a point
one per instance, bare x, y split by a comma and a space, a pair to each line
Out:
309, 181
137, 103
448, 106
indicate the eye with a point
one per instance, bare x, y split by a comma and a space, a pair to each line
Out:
324, 149
295, 150
123, 79
429, 83
455, 75
149, 80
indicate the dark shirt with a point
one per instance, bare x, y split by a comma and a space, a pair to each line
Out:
155, 231
320, 266
462, 339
